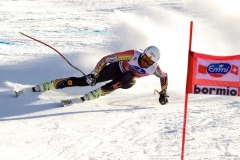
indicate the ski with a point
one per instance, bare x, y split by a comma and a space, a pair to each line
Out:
65, 103
72, 101
23, 91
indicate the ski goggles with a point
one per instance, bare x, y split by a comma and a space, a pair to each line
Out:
146, 59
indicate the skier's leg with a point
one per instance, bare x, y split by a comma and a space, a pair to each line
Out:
60, 83
107, 73
125, 80
130, 84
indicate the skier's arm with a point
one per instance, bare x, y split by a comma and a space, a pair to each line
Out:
113, 58
163, 78
164, 84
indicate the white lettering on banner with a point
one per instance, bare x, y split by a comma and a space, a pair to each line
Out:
219, 69
215, 90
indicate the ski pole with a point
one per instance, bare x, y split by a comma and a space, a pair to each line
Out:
55, 51
156, 91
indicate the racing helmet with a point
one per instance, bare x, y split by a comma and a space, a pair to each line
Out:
152, 53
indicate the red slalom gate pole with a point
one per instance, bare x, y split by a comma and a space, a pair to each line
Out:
186, 96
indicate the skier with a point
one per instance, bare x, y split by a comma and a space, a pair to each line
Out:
122, 68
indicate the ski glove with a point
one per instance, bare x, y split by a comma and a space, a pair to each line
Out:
91, 78
163, 97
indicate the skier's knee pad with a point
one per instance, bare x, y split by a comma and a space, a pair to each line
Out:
130, 84
128, 77
63, 82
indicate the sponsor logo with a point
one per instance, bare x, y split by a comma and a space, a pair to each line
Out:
152, 54
117, 85
218, 70
66, 102
69, 82
126, 58
137, 69
215, 90
111, 60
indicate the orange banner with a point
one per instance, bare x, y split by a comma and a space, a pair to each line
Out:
216, 75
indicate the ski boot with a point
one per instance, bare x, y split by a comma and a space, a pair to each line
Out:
45, 86
95, 94
90, 96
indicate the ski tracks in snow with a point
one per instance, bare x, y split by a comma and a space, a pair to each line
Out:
118, 127
212, 129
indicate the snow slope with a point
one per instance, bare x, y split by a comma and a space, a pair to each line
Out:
127, 124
